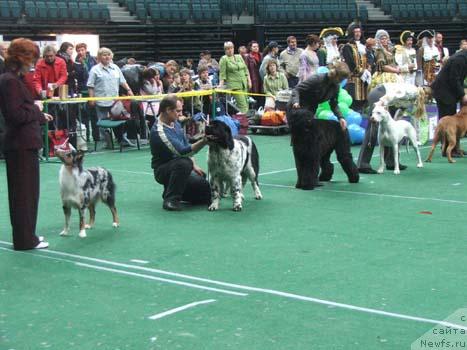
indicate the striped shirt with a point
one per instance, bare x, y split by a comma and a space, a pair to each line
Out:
272, 85
167, 143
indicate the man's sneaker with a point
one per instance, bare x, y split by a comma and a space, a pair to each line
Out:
42, 245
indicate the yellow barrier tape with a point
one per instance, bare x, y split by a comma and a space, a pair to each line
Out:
155, 97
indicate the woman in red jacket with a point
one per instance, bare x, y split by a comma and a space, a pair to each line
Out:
22, 141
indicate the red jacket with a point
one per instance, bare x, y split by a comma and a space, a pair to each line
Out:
49, 73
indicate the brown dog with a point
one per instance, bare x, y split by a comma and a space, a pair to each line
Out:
450, 129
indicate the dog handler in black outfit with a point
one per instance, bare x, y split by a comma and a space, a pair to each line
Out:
173, 167
22, 142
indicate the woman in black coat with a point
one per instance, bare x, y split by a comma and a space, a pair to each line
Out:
448, 87
314, 140
23, 139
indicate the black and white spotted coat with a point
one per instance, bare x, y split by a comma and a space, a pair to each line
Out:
232, 168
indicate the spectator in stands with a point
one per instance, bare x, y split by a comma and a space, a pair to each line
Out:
387, 70
242, 51
83, 64
406, 57
370, 45
50, 72
191, 104
329, 52
462, 45
65, 52
354, 54
190, 66
173, 168
152, 85
171, 67
234, 75
23, 139
3, 52
131, 60
253, 62
270, 52
104, 80
448, 87
309, 61
274, 81
204, 82
427, 58
211, 63
443, 51
176, 84
290, 60
167, 82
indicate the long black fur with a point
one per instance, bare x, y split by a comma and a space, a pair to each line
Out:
313, 141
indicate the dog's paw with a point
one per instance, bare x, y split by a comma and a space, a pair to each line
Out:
115, 224
87, 226
420, 165
213, 207
82, 234
65, 233
397, 172
380, 171
451, 160
237, 207
259, 196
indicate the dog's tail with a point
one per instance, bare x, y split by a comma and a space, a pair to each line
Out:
110, 191
255, 160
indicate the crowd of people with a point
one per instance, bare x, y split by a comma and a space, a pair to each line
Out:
364, 63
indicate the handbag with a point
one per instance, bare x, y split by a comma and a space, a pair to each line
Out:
118, 111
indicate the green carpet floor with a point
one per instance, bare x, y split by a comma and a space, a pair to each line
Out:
269, 275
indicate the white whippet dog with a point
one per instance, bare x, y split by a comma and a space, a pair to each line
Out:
391, 133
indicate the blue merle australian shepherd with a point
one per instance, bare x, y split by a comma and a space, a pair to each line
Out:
83, 188
231, 161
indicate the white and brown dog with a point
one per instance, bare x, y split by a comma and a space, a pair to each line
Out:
391, 133
231, 161
83, 188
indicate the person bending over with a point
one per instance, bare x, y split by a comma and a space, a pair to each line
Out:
173, 168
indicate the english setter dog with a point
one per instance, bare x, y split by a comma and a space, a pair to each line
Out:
231, 161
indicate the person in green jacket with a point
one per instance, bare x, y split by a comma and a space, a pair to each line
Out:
234, 74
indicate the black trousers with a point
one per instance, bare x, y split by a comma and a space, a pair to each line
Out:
22, 168
371, 134
446, 109
181, 183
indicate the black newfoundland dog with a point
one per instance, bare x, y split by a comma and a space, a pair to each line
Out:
313, 141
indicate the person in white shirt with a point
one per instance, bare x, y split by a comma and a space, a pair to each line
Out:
406, 57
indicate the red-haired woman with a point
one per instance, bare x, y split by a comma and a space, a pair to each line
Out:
22, 141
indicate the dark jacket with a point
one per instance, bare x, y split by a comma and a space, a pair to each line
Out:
2, 66
82, 69
448, 87
22, 116
71, 71
315, 90
253, 68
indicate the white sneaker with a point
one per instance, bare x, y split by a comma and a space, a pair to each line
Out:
42, 245
41, 238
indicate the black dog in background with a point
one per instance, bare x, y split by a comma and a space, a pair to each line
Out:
313, 141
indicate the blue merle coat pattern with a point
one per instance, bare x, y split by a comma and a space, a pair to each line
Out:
231, 162
83, 188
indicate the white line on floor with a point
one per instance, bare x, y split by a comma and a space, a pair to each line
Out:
375, 194
180, 308
139, 261
123, 272
259, 290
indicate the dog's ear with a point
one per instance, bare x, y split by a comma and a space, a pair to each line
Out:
228, 137
79, 157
